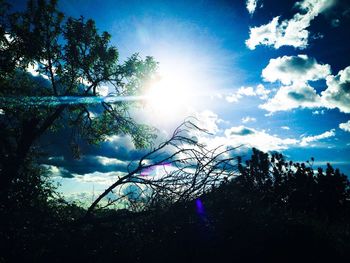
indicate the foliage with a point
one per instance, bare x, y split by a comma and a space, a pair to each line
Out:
295, 185
245, 218
71, 59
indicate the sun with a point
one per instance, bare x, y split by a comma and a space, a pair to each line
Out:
182, 86
169, 95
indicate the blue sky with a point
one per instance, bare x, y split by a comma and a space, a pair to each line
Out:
275, 76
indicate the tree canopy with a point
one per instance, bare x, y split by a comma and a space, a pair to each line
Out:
68, 58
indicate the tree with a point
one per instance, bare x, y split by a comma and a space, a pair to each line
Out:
72, 61
179, 169
295, 186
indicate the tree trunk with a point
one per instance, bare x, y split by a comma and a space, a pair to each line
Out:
30, 133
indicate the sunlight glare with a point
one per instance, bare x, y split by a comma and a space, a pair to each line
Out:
169, 94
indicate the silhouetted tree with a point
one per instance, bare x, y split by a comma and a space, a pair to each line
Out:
295, 185
178, 170
73, 61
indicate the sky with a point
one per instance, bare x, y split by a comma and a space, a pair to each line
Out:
274, 75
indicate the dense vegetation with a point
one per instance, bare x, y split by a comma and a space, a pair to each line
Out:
273, 210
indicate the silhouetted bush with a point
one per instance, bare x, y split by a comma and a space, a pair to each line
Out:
273, 210
295, 185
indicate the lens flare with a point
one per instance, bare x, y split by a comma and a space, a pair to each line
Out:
52, 101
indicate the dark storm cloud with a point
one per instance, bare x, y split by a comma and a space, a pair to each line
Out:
112, 155
88, 164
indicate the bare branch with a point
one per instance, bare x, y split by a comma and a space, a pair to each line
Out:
183, 167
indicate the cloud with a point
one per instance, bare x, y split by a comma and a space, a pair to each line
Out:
208, 121
301, 94
263, 35
318, 112
249, 137
242, 91
33, 69
289, 69
110, 156
345, 126
259, 92
292, 32
36, 68
113, 155
240, 131
56, 171
296, 72
248, 119
88, 164
102, 90
98, 178
285, 128
337, 94
251, 6
290, 97
309, 139
105, 161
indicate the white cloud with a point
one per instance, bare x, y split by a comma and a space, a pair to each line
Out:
121, 141
291, 32
345, 126
109, 161
246, 91
57, 171
318, 112
98, 177
259, 91
260, 139
289, 69
267, 142
6, 43
84, 81
208, 121
291, 97
102, 90
301, 94
248, 119
296, 72
242, 91
247, 138
337, 94
309, 139
263, 35
251, 6
33, 69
